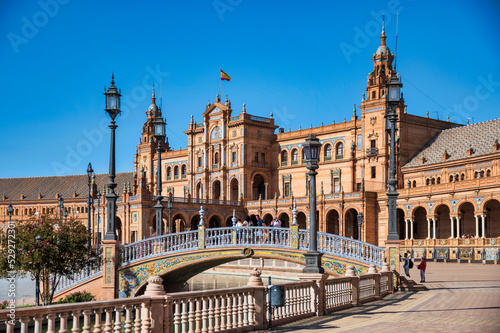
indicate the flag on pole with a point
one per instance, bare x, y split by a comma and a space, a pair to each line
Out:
224, 76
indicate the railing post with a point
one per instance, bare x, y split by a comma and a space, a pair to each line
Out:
354, 284
110, 262
392, 257
155, 290
259, 299
201, 230
376, 280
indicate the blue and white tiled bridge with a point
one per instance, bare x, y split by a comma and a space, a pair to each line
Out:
177, 257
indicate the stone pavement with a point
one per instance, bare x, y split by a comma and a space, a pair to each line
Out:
459, 298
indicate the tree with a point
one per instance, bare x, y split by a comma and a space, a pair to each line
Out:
49, 248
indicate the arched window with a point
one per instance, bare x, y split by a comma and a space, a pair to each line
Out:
456, 178
176, 172
183, 171
451, 178
295, 156
414, 183
339, 151
488, 173
216, 158
462, 176
169, 173
303, 156
475, 174
328, 152
438, 180
284, 157
427, 181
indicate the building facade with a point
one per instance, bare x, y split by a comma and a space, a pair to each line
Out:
242, 164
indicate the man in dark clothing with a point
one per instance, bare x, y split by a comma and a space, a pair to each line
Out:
259, 221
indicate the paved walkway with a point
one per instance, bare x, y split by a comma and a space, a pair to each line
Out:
459, 298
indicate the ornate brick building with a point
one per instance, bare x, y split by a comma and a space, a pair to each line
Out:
448, 175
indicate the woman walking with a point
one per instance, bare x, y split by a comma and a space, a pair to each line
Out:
422, 267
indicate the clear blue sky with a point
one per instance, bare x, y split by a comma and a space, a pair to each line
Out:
307, 61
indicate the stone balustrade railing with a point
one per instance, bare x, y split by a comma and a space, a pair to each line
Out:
227, 310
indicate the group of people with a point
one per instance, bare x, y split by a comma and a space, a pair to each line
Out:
408, 264
276, 223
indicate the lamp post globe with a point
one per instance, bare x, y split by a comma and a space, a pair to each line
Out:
312, 257
393, 101
113, 109
60, 202
159, 134
10, 211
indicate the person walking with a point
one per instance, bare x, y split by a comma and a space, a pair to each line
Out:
422, 266
406, 265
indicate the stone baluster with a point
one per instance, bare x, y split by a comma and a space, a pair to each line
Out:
191, 315
234, 299
51, 323
24, 324
197, 316
230, 323
38, 324
204, 314
177, 316
483, 226
184, 315
217, 313
137, 322
97, 324
294, 301
118, 323
86, 321
223, 313
146, 318
76, 322
210, 315
10, 326
128, 319
245, 309
240, 309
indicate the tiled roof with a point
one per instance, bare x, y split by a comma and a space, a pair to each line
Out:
456, 141
48, 187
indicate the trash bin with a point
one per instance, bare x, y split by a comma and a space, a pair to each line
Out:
277, 295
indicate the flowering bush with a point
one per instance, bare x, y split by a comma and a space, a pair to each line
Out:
79, 296
47, 252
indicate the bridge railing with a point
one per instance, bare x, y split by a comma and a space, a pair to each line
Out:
158, 245
226, 310
90, 272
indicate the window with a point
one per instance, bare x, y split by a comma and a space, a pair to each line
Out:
183, 171
414, 183
336, 184
488, 173
199, 162
374, 172
462, 176
233, 157
284, 158
176, 172
295, 156
263, 157
216, 158
339, 151
169, 173
373, 95
438, 180
256, 157
451, 178
287, 189
328, 152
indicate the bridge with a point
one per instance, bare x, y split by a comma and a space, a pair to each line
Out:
122, 271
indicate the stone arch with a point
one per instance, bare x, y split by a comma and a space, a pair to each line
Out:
216, 189
419, 214
267, 218
466, 210
183, 170
229, 221
415, 207
234, 189
284, 156
285, 220
199, 190
302, 220
351, 223
215, 221
332, 222
492, 222
179, 223
259, 186
400, 222
195, 220
443, 222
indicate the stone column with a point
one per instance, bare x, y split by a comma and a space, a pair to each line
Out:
458, 227
411, 229
477, 226
406, 229
428, 228
434, 228
452, 227
483, 225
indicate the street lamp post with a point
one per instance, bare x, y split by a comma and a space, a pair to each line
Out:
113, 109
37, 278
89, 203
65, 214
313, 257
394, 87
61, 208
159, 127
360, 224
169, 206
97, 234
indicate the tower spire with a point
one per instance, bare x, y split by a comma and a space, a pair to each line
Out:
153, 98
383, 36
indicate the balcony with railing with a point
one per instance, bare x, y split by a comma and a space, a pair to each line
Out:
371, 151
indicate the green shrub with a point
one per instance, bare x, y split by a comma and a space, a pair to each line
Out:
76, 297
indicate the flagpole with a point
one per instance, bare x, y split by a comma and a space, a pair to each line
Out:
220, 80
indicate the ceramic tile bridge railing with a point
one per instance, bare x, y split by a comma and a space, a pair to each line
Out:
289, 238
226, 310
